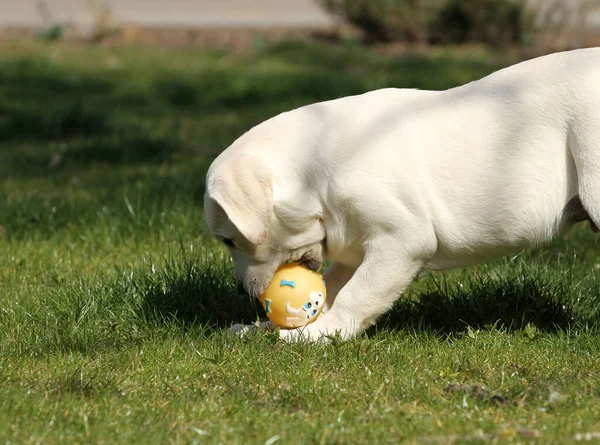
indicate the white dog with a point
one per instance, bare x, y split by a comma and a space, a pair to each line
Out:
390, 182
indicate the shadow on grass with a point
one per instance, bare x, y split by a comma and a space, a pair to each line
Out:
205, 296
123, 148
102, 116
202, 294
63, 121
52, 119
506, 305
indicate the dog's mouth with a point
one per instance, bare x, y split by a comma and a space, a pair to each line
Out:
312, 260
254, 286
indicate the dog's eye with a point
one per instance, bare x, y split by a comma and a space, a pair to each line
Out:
227, 241
308, 305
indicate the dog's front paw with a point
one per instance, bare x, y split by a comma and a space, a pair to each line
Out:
245, 329
316, 332
241, 329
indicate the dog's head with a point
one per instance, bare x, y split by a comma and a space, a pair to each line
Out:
260, 233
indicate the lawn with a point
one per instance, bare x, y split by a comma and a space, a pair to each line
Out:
114, 299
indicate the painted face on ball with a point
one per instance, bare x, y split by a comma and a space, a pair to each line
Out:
307, 312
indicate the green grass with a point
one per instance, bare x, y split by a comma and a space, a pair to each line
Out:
113, 298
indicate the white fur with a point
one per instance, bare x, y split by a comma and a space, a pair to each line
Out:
393, 181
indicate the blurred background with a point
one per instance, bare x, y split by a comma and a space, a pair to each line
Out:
550, 23
100, 96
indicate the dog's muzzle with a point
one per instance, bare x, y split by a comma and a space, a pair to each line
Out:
252, 287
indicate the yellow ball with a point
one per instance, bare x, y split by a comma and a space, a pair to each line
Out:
294, 297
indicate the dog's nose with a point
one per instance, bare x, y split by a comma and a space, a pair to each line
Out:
241, 289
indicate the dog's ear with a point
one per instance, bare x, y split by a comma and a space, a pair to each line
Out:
243, 188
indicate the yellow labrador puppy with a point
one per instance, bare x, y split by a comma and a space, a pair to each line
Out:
390, 182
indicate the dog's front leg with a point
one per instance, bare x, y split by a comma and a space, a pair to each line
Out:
370, 292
